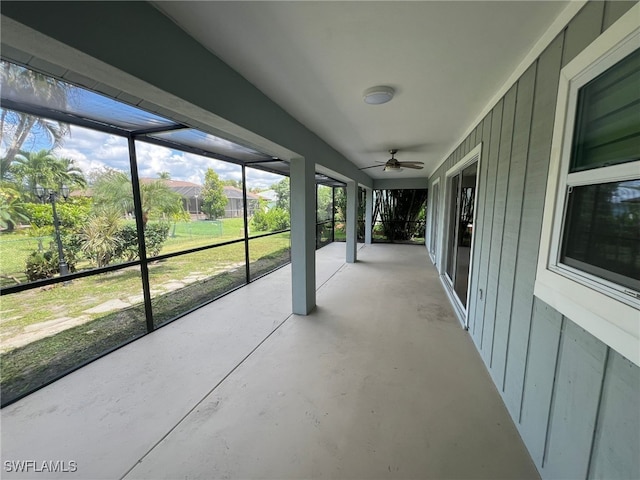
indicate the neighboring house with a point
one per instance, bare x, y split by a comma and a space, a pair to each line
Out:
234, 203
192, 198
190, 192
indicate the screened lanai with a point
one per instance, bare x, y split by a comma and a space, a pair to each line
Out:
105, 252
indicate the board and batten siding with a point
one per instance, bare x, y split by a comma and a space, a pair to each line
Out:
575, 401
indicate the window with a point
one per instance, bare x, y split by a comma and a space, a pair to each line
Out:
601, 230
589, 263
601, 235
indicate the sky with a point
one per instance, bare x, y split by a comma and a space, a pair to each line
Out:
93, 150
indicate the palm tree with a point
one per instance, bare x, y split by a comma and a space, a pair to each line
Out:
43, 168
32, 168
112, 189
15, 127
67, 173
12, 211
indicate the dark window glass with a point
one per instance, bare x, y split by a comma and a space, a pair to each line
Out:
454, 205
465, 231
602, 231
434, 227
462, 202
607, 128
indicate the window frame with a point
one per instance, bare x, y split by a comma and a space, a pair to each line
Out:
607, 310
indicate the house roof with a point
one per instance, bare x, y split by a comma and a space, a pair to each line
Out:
190, 189
233, 192
186, 189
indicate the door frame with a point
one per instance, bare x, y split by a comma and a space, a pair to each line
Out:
474, 156
434, 221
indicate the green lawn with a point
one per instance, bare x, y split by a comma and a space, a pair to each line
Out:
45, 332
15, 247
124, 285
45, 359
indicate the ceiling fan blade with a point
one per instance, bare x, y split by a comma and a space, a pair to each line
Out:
372, 166
416, 165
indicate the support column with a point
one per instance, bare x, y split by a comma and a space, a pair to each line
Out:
303, 235
368, 217
352, 222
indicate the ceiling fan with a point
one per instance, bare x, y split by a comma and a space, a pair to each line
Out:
393, 165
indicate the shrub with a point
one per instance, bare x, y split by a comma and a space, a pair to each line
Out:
155, 235
40, 214
45, 263
40, 265
278, 219
99, 239
259, 221
271, 220
72, 249
127, 243
72, 213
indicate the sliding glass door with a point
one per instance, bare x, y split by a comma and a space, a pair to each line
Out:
462, 194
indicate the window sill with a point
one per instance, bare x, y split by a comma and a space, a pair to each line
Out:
613, 322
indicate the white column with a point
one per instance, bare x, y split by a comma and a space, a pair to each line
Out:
368, 217
303, 235
352, 221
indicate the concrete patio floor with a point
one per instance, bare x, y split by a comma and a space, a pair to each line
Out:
380, 381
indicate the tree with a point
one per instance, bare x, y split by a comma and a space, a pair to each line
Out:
214, 200
164, 176
44, 168
399, 212
324, 203
282, 190
112, 189
12, 211
16, 127
232, 183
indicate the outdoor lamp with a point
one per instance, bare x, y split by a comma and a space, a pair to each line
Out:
39, 191
63, 266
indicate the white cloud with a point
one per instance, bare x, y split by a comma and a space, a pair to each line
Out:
261, 179
94, 150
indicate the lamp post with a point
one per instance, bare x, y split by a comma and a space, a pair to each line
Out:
51, 196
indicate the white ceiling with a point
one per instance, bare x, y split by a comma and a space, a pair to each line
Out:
445, 59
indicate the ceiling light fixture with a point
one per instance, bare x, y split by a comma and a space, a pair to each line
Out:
378, 95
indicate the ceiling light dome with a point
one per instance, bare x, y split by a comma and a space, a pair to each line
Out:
378, 95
